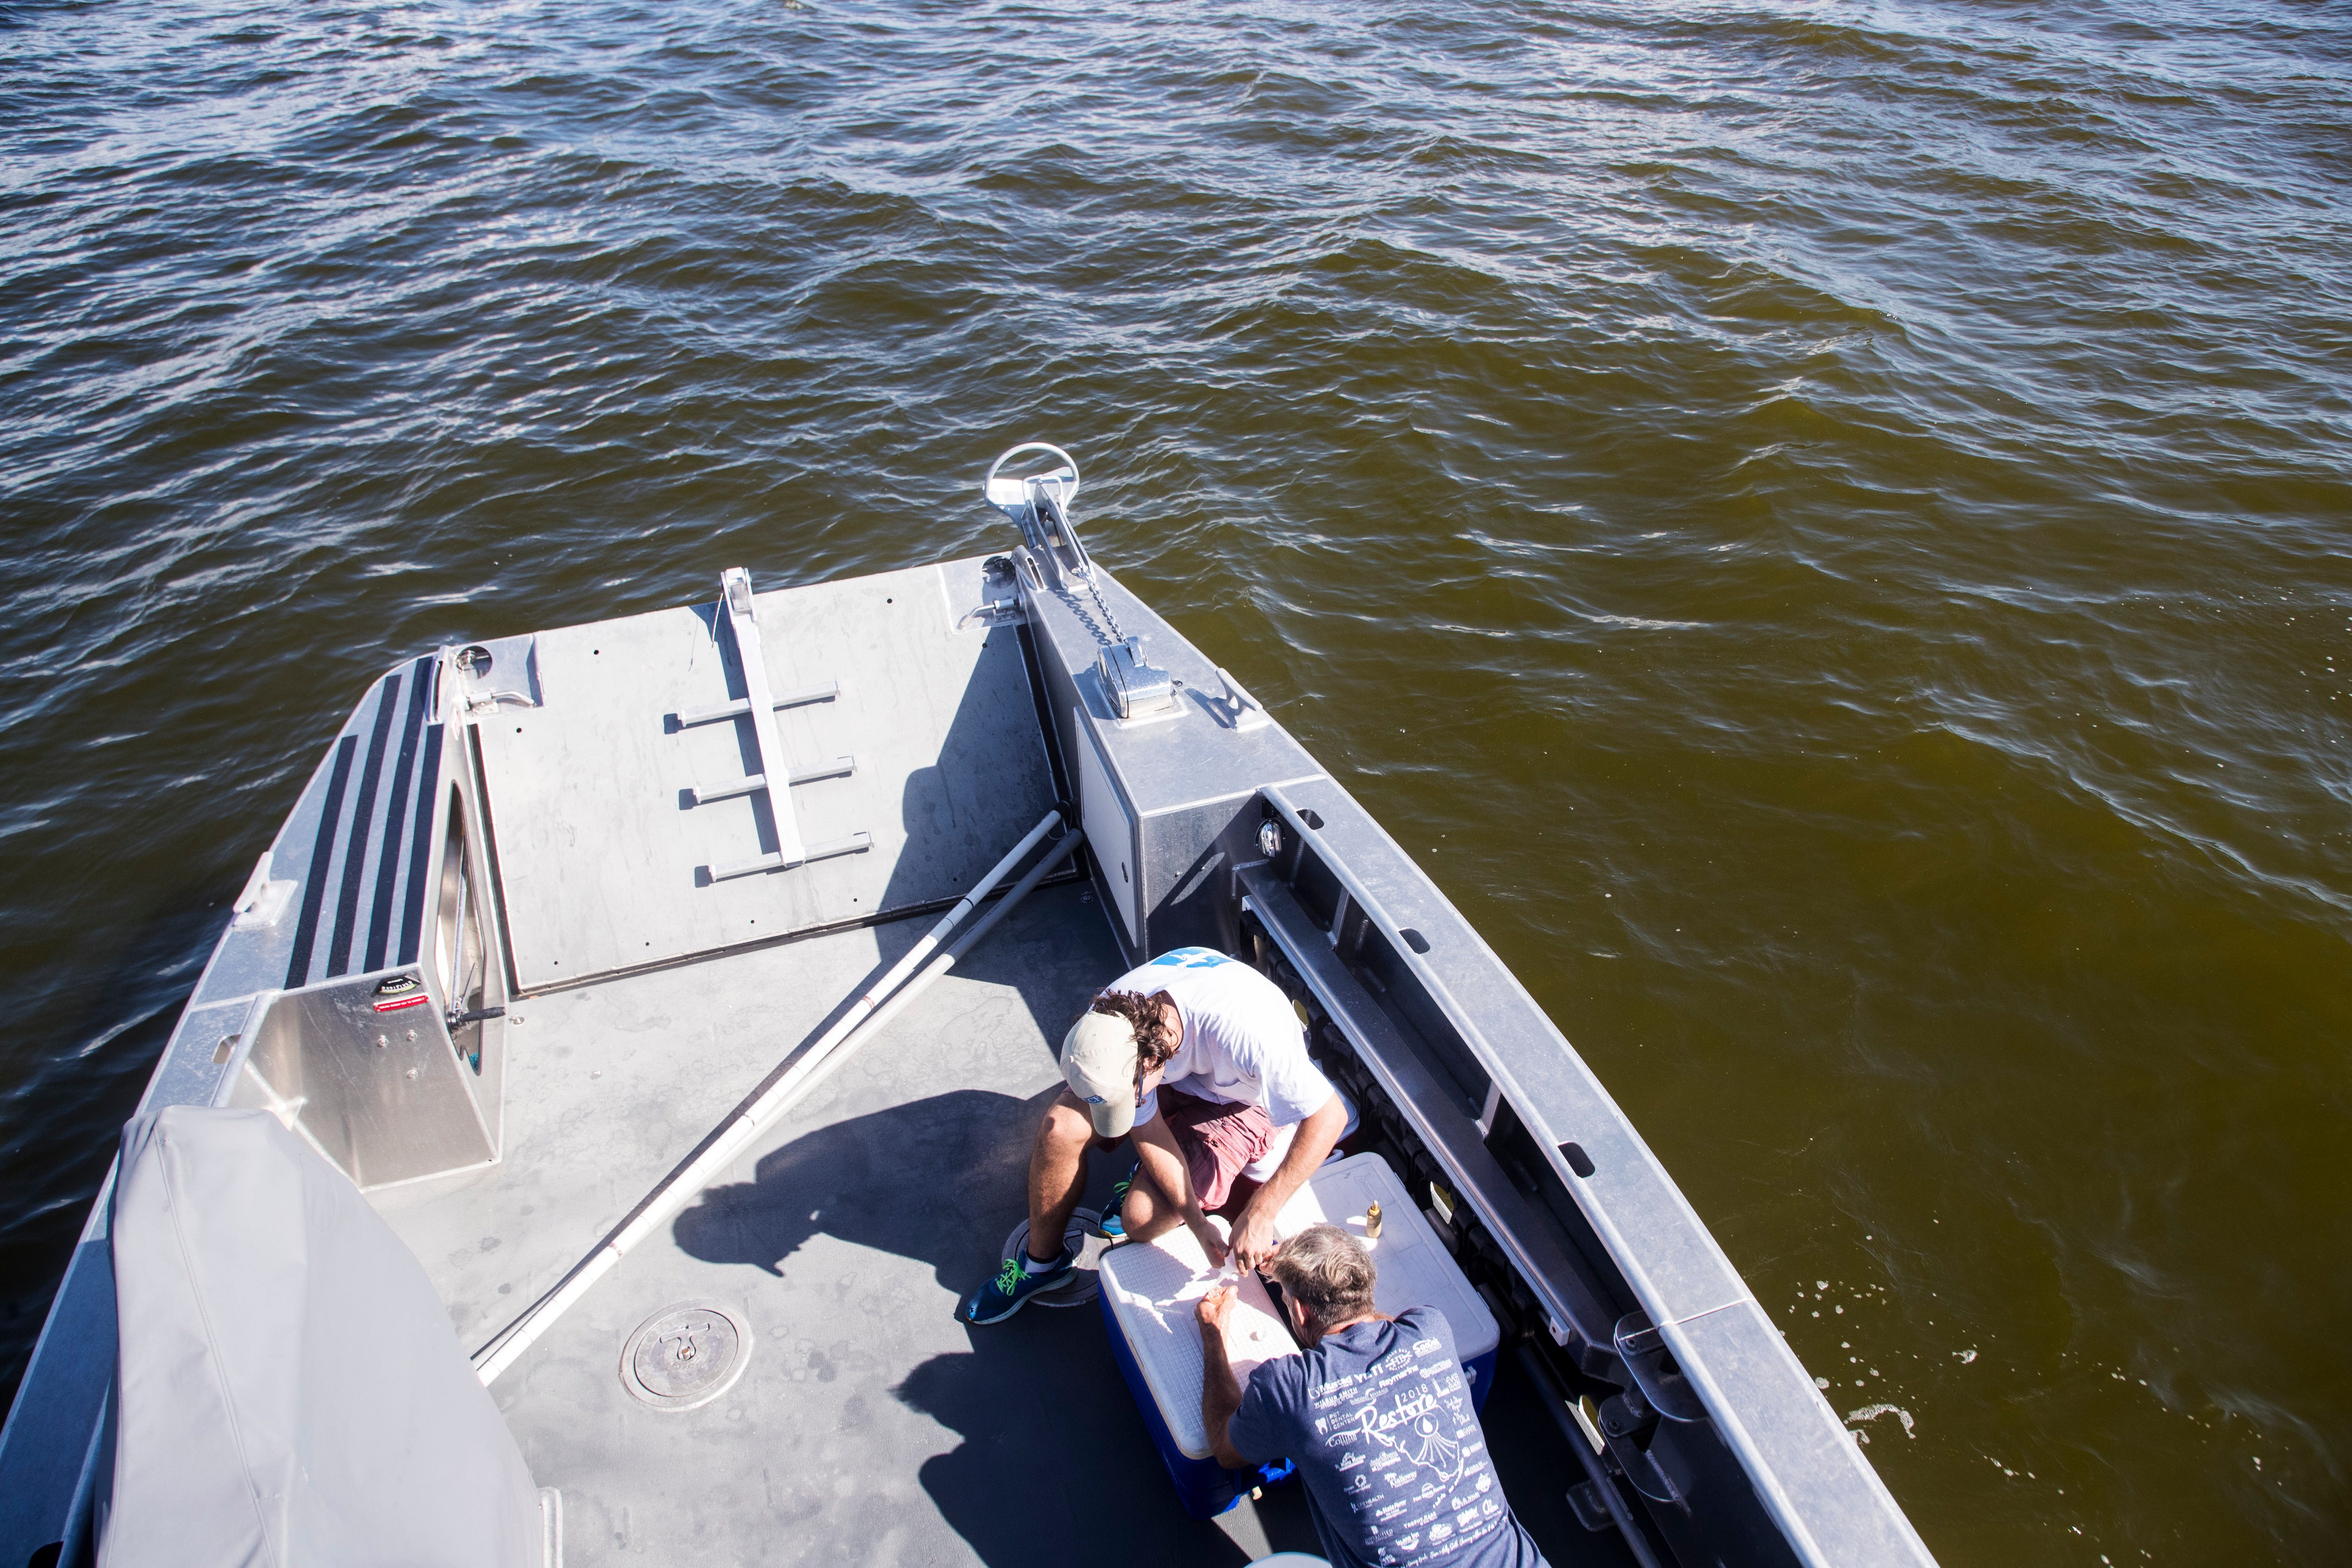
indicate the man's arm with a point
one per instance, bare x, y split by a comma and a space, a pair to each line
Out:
1221, 1391
1254, 1242
1163, 1162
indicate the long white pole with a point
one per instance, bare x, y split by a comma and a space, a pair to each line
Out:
749, 1121
884, 1015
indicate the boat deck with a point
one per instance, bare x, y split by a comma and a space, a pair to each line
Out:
869, 1425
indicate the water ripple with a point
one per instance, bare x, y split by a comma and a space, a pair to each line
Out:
1823, 527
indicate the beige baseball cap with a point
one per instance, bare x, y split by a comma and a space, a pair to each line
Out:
1098, 1057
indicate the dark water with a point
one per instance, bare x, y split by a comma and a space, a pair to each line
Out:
1827, 524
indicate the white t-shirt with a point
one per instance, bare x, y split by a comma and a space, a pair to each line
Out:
1242, 1043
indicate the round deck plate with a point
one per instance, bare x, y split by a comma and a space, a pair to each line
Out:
1085, 1283
686, 1355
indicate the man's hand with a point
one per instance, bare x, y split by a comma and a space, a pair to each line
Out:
1214, 1310
1255, 1243
1210, 1242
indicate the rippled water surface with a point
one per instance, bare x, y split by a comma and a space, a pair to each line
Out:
1826, 525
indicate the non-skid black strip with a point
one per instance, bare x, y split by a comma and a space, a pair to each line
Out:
412, 924
314, 886
395, 815
347, 905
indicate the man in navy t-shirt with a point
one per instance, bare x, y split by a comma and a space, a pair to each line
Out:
1376, 1414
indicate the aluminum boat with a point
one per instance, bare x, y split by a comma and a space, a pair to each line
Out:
682, 991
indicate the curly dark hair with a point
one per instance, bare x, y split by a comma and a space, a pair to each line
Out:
1155, 1042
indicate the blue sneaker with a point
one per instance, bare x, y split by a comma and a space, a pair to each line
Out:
1110, 1224
1013, 1285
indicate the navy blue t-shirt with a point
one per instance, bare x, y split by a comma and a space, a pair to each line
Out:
1379, 1419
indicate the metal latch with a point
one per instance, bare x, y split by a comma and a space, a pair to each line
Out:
1134, 685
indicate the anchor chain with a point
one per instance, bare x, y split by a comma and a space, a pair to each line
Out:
1103, 605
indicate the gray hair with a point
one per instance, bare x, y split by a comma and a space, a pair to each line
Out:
1329, 1271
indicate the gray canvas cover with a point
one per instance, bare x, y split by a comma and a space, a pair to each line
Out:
291, 1392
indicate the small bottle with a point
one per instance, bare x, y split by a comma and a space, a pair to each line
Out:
1372, 1219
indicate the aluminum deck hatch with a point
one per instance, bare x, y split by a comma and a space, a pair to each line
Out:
607, 808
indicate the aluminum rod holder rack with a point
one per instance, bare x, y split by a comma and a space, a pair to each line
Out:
758, 703
856, 844
840, 767
737, 708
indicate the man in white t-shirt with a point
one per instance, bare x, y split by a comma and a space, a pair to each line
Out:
1203, 1059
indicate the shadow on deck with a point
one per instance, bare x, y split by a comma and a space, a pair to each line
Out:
1055, 1465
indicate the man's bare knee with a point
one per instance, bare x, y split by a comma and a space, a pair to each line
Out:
1140, 1204
1145, 1214
1065, 1123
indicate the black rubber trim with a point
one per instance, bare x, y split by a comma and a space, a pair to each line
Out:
314, 886
387, 880
347, 903
429, 784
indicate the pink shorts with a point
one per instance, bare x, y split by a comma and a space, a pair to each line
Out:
1218, 1141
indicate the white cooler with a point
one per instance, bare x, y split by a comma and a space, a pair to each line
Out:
1148, 1289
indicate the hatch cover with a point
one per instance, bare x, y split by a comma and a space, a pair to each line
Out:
621, 816
686, 1355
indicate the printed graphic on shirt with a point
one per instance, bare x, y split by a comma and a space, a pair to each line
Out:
1401, 1433
1189, 958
